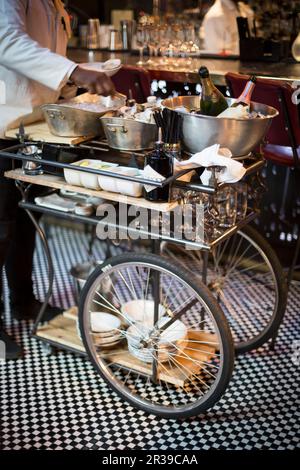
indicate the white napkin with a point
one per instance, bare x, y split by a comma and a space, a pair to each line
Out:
232, 172
152, 175
214, 156
110, 67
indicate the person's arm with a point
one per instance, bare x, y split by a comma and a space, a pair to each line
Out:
22, 54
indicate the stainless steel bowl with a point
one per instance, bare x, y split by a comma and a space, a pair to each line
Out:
128, 134
67, 120
241, 136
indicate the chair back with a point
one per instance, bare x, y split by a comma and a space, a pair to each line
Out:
135, 79
285, 128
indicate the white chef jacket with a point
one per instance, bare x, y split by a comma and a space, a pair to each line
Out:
33, 69
219, 28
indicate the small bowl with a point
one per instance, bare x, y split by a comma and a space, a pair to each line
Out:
84, 208
116, 185
141, 311
73, 176
129, 188
90, 180
110, 67
102, 322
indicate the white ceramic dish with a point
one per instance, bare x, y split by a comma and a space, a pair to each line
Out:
99, 340
102, 322
141, 311
177, 331
169, 343
84, 208
129, 188
73, 176
90, 180
110, 67
116, 185
82, 178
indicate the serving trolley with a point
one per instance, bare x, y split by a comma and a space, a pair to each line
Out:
182, 306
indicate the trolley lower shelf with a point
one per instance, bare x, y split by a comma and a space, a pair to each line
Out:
62, 332
190, 361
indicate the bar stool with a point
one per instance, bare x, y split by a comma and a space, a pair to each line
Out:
135, 79
282, 145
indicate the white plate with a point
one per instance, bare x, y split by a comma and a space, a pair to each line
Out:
102, 322
173, 333
146, 355
110, 67
141, 311
99, 340
116, 185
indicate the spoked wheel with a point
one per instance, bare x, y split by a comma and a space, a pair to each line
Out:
245, 276
175, 367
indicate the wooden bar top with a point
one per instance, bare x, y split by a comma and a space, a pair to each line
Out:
187, 69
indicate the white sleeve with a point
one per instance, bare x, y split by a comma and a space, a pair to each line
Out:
22, 54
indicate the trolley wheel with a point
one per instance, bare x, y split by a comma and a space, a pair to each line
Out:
246, 277
175, 370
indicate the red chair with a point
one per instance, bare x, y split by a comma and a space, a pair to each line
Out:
283, 138
135, 79
282, 145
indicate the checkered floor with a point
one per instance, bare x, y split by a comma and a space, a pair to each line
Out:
58, 401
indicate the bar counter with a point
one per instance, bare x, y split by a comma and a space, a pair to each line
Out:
187, 71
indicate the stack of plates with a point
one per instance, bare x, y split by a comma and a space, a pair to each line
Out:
106, 329
170, 342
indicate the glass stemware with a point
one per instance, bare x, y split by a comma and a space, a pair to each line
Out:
153, 37
164, 42
141, 42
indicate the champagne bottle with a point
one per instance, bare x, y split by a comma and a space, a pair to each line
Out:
212, 101
245, 97
241, 107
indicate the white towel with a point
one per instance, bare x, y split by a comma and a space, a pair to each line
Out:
232, 170
214, 156
151, 174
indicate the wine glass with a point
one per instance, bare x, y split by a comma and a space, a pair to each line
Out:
177, 39
141, 42
164, 42
153, 42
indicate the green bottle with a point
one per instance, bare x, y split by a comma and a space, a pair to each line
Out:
212, 100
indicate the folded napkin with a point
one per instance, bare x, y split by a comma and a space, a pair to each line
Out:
231, 172
54, 201
151, 174
110, 67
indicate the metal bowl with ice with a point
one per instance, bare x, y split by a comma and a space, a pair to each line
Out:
241, 136
80, 116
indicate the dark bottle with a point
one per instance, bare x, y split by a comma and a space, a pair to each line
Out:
161, 162
212, 101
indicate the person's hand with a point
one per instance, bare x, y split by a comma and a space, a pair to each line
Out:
93, 81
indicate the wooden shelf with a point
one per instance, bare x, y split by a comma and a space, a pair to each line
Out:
63, 331
58, 182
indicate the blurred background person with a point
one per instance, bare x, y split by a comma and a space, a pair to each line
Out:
219, 31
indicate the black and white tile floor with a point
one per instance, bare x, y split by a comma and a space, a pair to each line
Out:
58, 402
